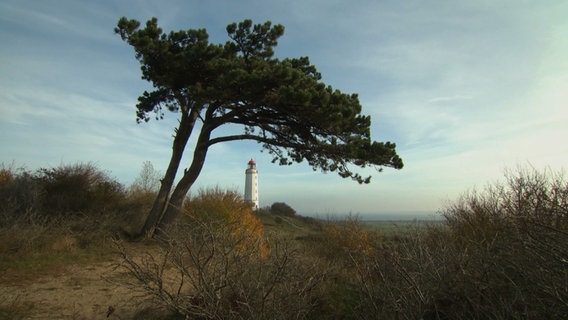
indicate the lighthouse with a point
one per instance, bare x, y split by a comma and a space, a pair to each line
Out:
251, 185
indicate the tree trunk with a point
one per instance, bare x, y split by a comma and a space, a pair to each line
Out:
190, 176
184, 130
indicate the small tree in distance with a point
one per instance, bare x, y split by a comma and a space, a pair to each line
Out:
148, 180
281, 104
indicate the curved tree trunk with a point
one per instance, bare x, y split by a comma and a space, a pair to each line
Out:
190, 176
180, 141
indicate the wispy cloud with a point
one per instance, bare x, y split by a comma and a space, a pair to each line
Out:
452, 98
465, 89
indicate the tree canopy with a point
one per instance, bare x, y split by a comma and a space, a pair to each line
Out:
280, 103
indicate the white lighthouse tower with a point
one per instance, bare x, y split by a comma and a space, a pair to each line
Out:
251, 185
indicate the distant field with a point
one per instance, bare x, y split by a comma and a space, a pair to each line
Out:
388, 224
394, 226
407, 216
387, 217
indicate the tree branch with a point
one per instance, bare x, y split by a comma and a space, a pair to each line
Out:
252, 137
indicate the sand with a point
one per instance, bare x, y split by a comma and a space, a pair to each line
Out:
85, 291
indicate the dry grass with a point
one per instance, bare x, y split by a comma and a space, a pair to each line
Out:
501, 253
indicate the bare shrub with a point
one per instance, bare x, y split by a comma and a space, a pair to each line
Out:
79, 188
59, 210
202, 273
19, 192
501, 255
216, 264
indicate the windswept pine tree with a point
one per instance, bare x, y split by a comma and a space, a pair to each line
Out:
280, 103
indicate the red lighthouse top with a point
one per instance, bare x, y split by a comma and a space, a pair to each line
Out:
251, 163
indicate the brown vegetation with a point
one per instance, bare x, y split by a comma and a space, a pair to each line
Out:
501, 253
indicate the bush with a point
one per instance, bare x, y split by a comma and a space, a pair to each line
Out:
60, 209
79, 188
227, 211
281, 208
519, 229
215, 265
67, 189
501, 255
6, 175
19, 192
347, 239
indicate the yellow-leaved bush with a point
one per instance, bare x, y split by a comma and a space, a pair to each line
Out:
349, 237
6, 176
225, 212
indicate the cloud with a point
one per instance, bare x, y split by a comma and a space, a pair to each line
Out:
452, 98
464, 88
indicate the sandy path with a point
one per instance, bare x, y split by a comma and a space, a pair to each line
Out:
86, 291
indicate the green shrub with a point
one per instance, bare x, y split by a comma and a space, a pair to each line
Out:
281, 208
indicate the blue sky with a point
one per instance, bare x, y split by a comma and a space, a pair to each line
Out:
465, 88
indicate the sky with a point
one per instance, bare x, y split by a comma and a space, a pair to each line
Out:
466, 89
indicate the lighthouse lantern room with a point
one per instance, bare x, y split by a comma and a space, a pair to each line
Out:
251, 185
